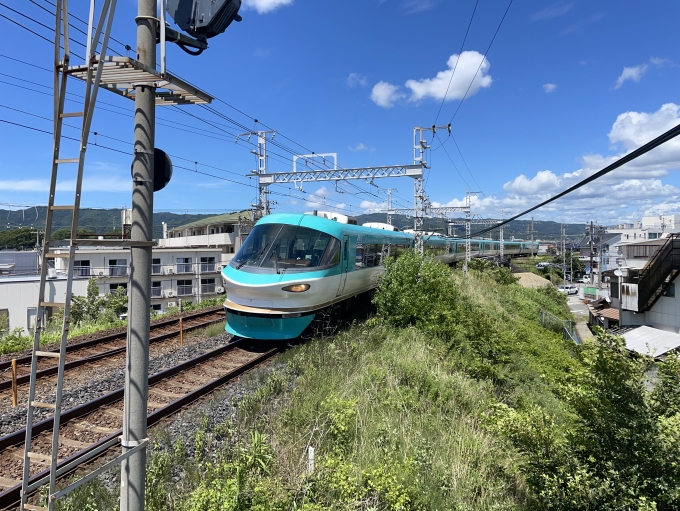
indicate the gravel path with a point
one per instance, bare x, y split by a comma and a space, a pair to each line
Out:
97, 381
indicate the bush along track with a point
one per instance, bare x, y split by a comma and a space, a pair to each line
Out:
452, 397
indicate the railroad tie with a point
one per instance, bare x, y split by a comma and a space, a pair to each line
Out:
6, 482
155, 404
69, 442
41, 459
165, 393
114, 412
86, 426
184, 386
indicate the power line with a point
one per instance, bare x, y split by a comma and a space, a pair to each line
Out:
661, 139
456, 65
482, 62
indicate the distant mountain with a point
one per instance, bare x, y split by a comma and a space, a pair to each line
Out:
17, 228
543, 230
16, 225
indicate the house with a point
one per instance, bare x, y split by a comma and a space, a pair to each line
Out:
600, 241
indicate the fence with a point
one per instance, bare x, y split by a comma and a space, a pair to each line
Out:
563, 326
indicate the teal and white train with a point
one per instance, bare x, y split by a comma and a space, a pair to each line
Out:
292, 266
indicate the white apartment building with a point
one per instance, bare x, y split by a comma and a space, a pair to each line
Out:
650, 228
186, 265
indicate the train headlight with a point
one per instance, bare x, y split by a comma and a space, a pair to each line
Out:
296, 288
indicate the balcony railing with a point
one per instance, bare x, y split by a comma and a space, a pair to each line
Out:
156, 269
82, 271
184, 268
207, 267
207, 289
184, 290
156, 292
117, 271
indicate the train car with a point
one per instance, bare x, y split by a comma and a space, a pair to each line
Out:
292, 266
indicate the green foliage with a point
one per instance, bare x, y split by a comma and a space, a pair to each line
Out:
416, 291
620, 448
551, 292
89, 307
91, 496
500, 274
18, 239
14, 341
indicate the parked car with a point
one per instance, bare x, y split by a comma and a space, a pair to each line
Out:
541, 266
569, 289
584, 280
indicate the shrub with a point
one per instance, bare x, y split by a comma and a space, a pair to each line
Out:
417, 291
621, 447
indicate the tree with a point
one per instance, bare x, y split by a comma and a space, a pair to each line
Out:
87, 307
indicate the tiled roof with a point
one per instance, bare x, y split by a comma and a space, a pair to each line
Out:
212, 220
610, 313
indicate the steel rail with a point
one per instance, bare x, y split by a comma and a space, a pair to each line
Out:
11, 496
23, 379
111, 337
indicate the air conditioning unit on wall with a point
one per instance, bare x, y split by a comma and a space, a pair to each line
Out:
170, 293
172, 304
219, 290
170, 271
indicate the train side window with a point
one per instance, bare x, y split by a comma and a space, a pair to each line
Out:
332, 256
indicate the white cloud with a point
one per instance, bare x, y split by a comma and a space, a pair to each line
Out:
372, 207
627, 193
631, 73
466, 66
265, 6
552, 11
355, 79
470, 67
635, 73
385, 94
361, 147
549, 87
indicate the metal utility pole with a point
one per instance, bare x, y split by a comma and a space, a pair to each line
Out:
532, 236
389, 205
600, 261
564, 256
501, 238
262, 207
133, 469
591, 252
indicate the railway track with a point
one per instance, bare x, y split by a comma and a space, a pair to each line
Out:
107, 346
89, 430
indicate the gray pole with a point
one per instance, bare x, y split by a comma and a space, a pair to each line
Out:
591, 253
564, 260
133, 469
532, 236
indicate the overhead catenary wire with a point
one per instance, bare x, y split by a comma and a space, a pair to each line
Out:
236, 123
661, 139
462, 45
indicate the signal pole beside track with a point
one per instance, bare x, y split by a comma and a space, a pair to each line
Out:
133, 469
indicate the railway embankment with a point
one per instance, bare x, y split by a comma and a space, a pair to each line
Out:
452, 396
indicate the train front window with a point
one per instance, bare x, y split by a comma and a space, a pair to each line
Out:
279, 248
258, 242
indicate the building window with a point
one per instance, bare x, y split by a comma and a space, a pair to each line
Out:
231, 250
184, 287
156, 290
614, 289
653, 235
4, 320
207, 286
156, 307
117, 267
81, 268
156, 268
207, 264
113, 287
670, 290
184, 265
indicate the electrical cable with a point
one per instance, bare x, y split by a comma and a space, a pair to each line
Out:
482, 62
456, 65
661, 139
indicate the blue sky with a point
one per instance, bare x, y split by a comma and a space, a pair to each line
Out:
565, 88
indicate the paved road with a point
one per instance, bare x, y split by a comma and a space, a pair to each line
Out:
578, 308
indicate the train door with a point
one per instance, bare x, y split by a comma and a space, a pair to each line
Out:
345, 265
